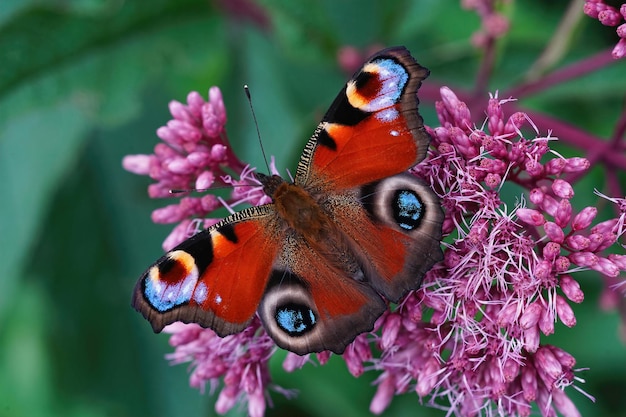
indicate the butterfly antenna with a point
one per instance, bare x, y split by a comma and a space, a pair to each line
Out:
256, 124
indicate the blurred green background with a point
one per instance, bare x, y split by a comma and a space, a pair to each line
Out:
85, 82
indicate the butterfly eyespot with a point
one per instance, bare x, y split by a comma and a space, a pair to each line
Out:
408, 209
172, 282
295, 319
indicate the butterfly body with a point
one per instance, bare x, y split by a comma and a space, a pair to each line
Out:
352, 230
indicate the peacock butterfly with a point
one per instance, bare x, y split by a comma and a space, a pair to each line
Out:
352, 228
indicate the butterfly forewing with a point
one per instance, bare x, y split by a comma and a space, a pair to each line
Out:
215, 278
372, 130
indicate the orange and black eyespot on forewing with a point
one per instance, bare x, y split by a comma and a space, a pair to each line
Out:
215, 279
373, 129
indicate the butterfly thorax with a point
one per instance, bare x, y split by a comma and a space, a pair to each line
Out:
296, 207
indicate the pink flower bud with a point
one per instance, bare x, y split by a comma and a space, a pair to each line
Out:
178, 234
428, 378
576, 165
591, 10
536, 196
354, 355
216, 100
533, 167
158, 190
605, 226
390, 330
546, 322
211, 123
571, 289
529, 382
563, 213
551, 251
293, 362
595, 240
618, 260
225, 401
546, 361
530, 216
606, 267
550, 205
495, 122
493, 180
620, 49
195, 103
608, 239
566, 359
609, 17
555, 166
531, 339
445, 120
199, 159
577, 242
209, 202
458, 109
137, 164
218, 152
510, 369
445, 148
565, 312
169, 136
180, 166
184, 130
180, 112
167, 214
583, 258
205, 180
515, 122
561, 264
542, 270
384, 393
583, 219
323, 357
507, 315
531, 315
562, 189
564, 404
554, 232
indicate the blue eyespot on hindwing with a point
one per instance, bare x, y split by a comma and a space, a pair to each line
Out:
408, 209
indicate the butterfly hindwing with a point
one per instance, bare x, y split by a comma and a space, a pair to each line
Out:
395, 227
215, 278
313, 303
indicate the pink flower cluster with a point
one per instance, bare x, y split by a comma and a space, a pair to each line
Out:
195, 155
471, 335
469, 340
240, 360
610, 16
